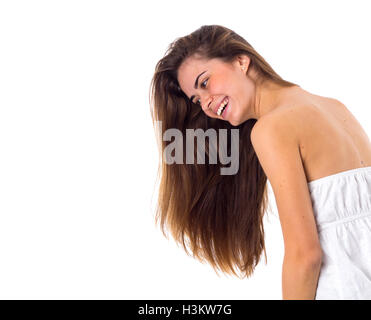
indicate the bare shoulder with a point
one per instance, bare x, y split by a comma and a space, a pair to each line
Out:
285, 122
276, 140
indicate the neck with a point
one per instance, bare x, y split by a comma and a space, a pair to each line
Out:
269, 96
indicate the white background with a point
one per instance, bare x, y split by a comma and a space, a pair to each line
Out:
78, 157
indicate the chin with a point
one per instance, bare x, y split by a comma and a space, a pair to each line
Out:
235, 118
235, 122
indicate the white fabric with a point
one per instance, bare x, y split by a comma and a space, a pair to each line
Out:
342, 208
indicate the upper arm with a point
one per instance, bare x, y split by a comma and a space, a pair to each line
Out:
277, 148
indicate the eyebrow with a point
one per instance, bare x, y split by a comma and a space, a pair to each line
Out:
196, 84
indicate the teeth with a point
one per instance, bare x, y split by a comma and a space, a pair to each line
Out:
225, 101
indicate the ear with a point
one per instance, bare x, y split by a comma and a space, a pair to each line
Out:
242, 60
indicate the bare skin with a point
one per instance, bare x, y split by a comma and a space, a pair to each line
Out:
331, 138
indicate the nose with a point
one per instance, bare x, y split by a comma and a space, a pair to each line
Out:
205, 103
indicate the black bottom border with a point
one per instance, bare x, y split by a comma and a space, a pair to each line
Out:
181, 309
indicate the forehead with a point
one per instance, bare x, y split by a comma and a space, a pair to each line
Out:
190, 69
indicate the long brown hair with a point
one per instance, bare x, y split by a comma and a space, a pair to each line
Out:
218, 217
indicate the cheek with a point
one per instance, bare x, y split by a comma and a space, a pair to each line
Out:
241, 92
219, 85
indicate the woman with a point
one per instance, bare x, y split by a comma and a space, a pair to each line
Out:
314, 153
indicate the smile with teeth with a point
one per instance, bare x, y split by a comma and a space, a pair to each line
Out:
222, 106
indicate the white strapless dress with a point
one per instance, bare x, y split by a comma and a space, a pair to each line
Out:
342, 208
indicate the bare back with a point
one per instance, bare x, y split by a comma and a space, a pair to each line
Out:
331, 138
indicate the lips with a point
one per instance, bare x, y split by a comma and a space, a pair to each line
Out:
225, 110
215, 109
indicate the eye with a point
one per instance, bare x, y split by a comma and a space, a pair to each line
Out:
198, 102
203, 85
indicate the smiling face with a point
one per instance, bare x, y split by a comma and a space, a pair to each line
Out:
217, 85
